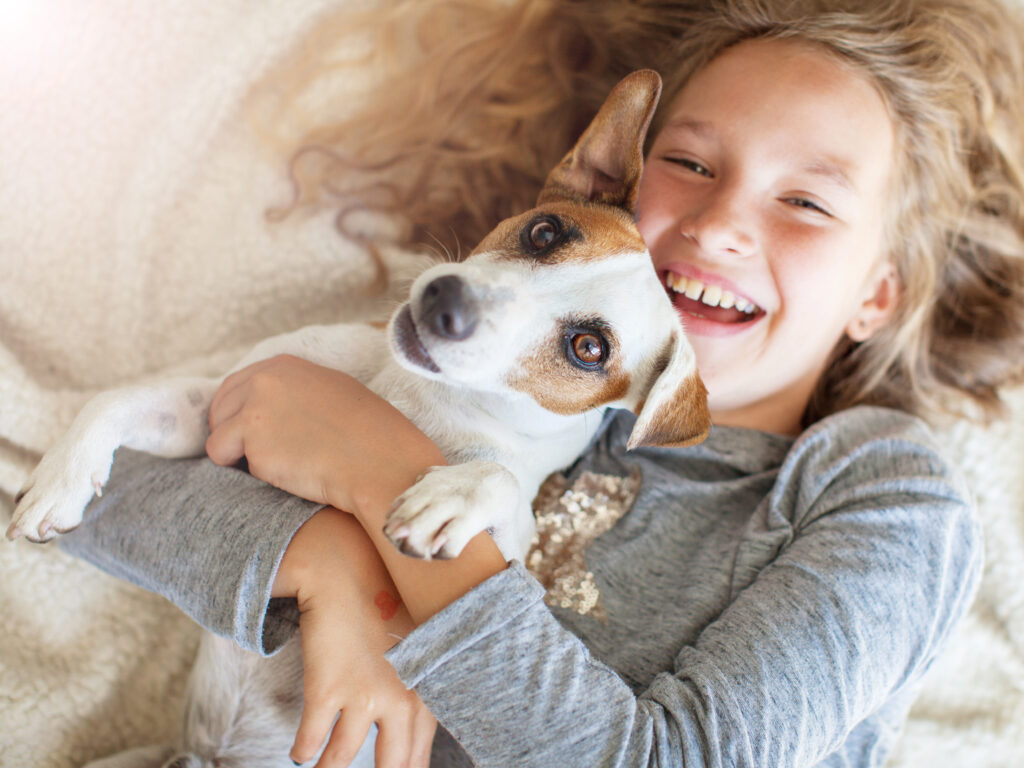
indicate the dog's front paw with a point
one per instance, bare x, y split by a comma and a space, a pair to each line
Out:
58, 491
448, 506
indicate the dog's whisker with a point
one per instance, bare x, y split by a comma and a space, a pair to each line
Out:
458, 243
438, 248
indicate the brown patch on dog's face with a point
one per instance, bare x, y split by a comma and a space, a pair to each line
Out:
560, 232
575, 368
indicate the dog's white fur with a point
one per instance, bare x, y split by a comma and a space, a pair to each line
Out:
500, 442
482, 358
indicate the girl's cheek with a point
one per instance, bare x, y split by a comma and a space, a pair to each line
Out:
652, 221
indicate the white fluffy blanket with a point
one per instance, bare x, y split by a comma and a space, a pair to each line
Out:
133, 186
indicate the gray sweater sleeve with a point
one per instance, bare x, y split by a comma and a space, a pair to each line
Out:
882, 558
208, 538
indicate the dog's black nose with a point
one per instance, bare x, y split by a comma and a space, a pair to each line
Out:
447, 310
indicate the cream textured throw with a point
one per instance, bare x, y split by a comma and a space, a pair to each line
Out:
133, 188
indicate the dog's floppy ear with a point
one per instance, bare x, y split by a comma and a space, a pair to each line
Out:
675, 409
606, 163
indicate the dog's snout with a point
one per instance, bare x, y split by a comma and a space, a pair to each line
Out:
447, 309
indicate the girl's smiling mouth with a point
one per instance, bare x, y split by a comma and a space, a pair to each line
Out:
709, 308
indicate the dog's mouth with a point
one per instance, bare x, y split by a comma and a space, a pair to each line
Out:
408, 341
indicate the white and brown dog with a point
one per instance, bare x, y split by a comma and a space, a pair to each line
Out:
506, 360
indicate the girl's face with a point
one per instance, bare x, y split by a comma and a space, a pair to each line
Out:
763, 202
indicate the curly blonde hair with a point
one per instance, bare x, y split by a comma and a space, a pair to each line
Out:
482, 97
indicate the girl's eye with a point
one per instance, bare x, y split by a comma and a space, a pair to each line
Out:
691, 165
803, 202
588, 349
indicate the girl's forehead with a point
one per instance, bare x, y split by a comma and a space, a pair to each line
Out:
769, 72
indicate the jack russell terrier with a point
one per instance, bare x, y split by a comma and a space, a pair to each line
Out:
505, 360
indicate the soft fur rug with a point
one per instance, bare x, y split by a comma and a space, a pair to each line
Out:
133, 240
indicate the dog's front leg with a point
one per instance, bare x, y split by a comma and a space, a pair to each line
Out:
449, 505
167, 419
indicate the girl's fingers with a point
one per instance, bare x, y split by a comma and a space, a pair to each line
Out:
231, 394
394, 745
422, 739
313, 729
227, 401
226, 443
347, 737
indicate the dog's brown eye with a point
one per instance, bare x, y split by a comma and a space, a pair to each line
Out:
542, 234
588, 349
586, 343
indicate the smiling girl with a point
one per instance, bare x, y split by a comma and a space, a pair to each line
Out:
763, 204
833, 199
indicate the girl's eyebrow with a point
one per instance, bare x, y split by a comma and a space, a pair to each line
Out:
701, 128
831, 170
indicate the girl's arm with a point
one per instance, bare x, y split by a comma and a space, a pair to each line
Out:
210, 539
883, 560
815, 661
359, 454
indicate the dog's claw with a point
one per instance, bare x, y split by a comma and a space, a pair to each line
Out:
406, 548
438, 544
43, 539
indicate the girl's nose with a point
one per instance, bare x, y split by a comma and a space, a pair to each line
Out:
720, 225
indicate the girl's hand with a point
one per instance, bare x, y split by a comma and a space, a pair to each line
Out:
316, 433
350, 616
344, 671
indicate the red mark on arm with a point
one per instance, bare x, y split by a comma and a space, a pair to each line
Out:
387, 603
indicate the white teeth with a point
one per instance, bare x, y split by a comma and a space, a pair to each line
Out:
711, 295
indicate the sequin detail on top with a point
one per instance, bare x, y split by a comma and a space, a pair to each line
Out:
568, 520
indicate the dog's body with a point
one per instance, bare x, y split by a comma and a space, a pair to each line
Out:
506, 361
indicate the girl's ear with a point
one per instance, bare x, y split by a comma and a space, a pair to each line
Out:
882, 297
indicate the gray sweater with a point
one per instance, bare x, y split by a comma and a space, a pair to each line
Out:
770, 601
